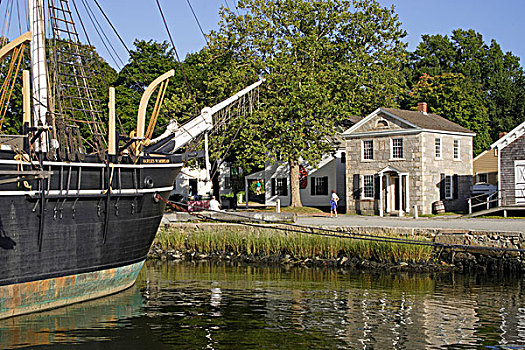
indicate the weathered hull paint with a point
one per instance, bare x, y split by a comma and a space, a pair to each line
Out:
34, 296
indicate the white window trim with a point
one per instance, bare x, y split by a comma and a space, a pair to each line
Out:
451, 196
392, 148
363, 187
440, 148
363, 150
477, 176
315, 180
459, 149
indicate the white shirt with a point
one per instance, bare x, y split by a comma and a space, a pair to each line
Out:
334, 197
215, 205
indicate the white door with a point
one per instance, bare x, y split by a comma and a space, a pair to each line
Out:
519, 167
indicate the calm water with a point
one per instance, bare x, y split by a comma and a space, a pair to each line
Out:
219, 306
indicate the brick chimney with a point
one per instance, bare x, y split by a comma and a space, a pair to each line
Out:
422, 107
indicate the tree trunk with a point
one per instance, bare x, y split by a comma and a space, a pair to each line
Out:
215, 180
295, 196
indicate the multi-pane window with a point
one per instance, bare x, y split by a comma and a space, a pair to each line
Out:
448, 187
397, 148
319, 186
456, 149
279, 186
482, 177
368, 186
368, 149
438, 147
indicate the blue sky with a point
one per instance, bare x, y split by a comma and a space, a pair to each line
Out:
498, 20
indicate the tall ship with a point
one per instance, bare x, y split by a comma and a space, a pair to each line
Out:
79, 205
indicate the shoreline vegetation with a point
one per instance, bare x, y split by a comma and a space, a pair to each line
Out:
274, 246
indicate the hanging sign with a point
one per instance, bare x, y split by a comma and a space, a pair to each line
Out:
303, 177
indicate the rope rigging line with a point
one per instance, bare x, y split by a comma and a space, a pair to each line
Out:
311, 230
101, 34
137, 83
197, 20
177, 55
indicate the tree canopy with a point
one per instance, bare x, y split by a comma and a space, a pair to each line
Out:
498, 76
322, 59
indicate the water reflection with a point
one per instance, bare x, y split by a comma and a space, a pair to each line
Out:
66, 325
225, 306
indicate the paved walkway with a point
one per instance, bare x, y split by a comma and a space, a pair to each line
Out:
476, 224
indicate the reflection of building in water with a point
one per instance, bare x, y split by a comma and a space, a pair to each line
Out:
376, 319
297, 309
450, 320
59, 325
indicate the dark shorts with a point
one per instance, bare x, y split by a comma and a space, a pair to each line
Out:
333, 205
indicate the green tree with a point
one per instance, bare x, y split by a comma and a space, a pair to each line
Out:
147, 61
455, 97
323, 60
96, 67
499, 75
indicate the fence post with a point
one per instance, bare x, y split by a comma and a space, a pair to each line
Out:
469, 205
278, 206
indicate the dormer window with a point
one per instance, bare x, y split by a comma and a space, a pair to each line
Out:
382, 123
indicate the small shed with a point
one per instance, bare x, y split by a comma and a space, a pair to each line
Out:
510, 150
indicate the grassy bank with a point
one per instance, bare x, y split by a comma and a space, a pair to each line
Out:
267, 242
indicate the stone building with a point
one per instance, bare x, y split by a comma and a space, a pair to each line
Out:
398, 159
510, 150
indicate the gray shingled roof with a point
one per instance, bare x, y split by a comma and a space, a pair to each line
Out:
428, 121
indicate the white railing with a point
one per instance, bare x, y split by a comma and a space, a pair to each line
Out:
486, 200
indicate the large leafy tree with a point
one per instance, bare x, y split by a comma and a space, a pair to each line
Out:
454, 96
147, 61
497, 75
323, 59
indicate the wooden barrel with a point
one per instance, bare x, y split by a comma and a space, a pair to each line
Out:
438, 207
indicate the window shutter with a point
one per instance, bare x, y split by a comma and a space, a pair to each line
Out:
455, 181
442, 187
312, 186
273, 186
285, 189
376, 187
356, 187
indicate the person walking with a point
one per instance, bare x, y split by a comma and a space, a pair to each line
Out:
333, 204
258, 187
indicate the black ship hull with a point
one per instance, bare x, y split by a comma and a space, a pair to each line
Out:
79, 232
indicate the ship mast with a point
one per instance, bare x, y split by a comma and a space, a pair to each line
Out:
38, 69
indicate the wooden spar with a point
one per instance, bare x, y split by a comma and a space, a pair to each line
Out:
26, 96
26, 37
235, 97
141, 117
112, 144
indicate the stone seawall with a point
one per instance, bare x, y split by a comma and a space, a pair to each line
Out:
463, 259
459, 258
